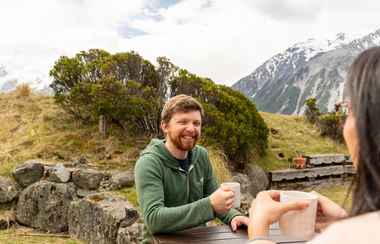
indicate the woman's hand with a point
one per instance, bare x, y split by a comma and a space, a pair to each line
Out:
266, 209
327, 212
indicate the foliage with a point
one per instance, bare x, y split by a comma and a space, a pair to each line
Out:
311, 112
124, 87
231, 120
330, 124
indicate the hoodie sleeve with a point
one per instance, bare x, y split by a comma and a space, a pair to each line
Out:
157, 217
212, 185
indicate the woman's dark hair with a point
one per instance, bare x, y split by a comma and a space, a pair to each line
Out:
363, 86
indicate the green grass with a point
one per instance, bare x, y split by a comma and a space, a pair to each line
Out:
337, 193
294, 136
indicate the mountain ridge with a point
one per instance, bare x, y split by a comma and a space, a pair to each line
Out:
314, 68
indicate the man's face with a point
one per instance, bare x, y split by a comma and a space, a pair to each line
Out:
183, 129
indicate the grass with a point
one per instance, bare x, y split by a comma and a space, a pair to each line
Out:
337, 193
27, 235
292, 136
35, 127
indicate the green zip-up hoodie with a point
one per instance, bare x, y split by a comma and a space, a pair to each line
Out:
170, 198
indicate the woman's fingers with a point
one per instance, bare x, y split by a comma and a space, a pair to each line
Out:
289, 206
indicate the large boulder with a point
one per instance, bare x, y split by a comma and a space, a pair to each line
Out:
97, 218
44, 205
259, 180
118, 180
87, 179
252, 181
123, 179
29, 172
8, 190
131, 234
58, 174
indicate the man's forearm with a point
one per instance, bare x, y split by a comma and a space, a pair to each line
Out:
170, 219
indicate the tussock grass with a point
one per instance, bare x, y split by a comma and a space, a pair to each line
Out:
294, 136
219, 164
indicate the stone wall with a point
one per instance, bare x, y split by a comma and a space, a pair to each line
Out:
73, 199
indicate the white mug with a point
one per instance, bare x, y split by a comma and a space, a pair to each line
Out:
235, 187
299, 224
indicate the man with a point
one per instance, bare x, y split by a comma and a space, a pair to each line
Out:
174, 178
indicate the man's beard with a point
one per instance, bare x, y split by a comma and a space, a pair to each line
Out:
184, 144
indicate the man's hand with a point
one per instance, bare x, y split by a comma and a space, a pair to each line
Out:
222, 199
327, 212
238, 221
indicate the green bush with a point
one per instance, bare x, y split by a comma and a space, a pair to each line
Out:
311, 112
331, 125
231, 120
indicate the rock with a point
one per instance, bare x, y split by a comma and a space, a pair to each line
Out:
58, 174
81, 193
98, 217
131, 234
44, 205
252, 181
258, 178
123, 179
28, 173
81, 162
7, 220
8, 190
88, 179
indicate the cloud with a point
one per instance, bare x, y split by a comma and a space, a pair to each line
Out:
220, 39
295, 10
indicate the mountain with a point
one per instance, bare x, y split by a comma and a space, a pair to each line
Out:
314, 68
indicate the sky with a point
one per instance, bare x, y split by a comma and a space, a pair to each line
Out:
220, 39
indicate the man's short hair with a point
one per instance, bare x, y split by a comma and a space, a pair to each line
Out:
180, 103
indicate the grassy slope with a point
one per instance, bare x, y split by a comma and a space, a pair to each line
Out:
295, 135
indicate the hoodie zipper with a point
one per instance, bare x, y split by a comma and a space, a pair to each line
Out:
187, 181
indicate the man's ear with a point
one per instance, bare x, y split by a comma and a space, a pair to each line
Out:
164, 127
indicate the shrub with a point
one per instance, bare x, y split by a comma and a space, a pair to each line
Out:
331, 125
311, 112
231, 120
23, 90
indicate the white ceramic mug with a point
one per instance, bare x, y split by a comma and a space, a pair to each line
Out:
235, 187
299, 224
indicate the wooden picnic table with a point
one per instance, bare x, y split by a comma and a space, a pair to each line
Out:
219, 235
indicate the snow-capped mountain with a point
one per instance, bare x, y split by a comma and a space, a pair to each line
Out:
314, 68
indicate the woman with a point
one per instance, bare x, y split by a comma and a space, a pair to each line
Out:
362, 136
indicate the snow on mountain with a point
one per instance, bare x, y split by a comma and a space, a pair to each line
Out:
314, 68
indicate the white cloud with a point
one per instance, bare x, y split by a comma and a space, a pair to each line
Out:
221, 39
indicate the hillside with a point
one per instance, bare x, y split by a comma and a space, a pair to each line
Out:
291, 135
34, 127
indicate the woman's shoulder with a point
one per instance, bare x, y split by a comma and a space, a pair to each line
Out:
359, 229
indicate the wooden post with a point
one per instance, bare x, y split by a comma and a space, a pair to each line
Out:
103, 126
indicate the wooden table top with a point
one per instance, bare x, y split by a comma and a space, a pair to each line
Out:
219, 235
